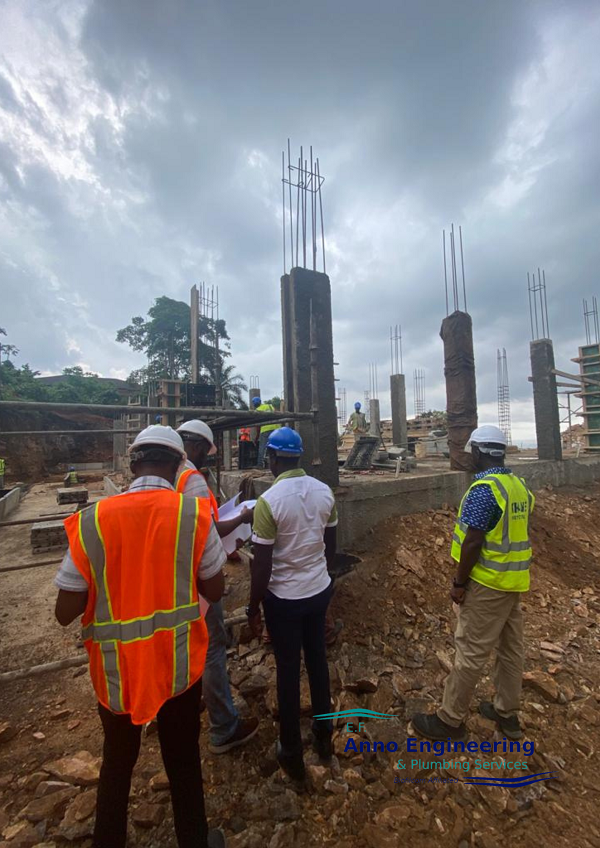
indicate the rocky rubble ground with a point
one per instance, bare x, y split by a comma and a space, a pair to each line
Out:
392, 657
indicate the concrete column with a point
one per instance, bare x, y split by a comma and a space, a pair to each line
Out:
461, 388
304, 385
398, 397
545, 400
374, 418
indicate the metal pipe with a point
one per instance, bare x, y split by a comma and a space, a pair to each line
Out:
126, 410
462, 262
283, 208
546, 305
290, 194
445, 271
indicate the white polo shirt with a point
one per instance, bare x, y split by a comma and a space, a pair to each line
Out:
292, 516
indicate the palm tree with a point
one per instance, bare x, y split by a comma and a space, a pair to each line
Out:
233, 387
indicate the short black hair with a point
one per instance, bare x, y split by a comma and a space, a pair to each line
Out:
286, 461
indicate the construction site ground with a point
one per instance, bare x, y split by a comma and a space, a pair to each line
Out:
392, 656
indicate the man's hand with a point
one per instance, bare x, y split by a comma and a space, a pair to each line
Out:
458, 595
246, 515
256, 625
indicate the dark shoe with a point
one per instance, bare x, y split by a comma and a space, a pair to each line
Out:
245, 730
509, 726
216, 838
323, 746
432, 727
292, 764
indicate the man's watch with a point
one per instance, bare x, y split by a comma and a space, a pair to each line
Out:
250, 613
458, 585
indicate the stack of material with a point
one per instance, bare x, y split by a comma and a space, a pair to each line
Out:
47, 536
76, 494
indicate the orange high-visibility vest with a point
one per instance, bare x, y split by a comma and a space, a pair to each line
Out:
245, 434
139, 553
181, 483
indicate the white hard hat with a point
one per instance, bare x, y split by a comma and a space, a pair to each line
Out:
485, 435
160, 436
199, 428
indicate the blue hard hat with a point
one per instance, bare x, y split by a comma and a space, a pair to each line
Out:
286, 442
357, 405
256, 401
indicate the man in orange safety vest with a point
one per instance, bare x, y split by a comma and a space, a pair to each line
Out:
135, 568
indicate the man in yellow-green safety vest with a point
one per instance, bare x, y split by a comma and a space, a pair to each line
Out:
492, 548
265, 430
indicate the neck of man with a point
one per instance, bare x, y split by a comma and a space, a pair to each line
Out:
150, 469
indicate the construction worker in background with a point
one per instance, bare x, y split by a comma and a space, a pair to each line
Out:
135, 568
265, 430
2, 471
357, 423
227, 729
71, 478
244, 434
294, 535
492, 548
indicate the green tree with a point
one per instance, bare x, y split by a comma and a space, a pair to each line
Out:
164, 337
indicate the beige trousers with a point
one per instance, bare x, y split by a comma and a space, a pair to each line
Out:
487, 619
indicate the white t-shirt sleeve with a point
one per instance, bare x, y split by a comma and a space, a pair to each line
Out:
68, 577
213, 557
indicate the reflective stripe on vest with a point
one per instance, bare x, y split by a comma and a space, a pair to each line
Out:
504, 560
108, 632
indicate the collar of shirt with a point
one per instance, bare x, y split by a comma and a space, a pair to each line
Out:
501, 469
294, 472
150, 481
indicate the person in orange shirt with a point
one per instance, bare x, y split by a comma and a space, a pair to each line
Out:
135, 568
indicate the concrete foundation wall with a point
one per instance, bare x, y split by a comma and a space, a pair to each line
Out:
364, 504
9, 503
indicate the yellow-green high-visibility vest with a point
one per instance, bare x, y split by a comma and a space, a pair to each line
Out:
506, 553
266, 428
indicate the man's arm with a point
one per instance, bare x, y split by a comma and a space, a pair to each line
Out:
260, 571
470, 553
213, 588
69, 606
330, 539
224, 528
478, 513
211, 582
72, 591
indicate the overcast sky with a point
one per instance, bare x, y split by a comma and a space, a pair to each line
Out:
140, 152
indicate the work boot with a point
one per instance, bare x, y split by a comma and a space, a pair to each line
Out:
323, 746
216, 838
432, 727
245, 730
509, 725
291, 764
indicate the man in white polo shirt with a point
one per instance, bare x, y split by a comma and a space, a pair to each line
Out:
294, 542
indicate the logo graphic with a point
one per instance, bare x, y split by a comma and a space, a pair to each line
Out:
358, 713
515, 782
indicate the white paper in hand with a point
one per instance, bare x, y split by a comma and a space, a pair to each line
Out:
232, 509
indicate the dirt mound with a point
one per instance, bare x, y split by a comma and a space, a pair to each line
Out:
393, 656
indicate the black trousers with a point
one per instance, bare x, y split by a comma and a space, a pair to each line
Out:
178, 732
295, 626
